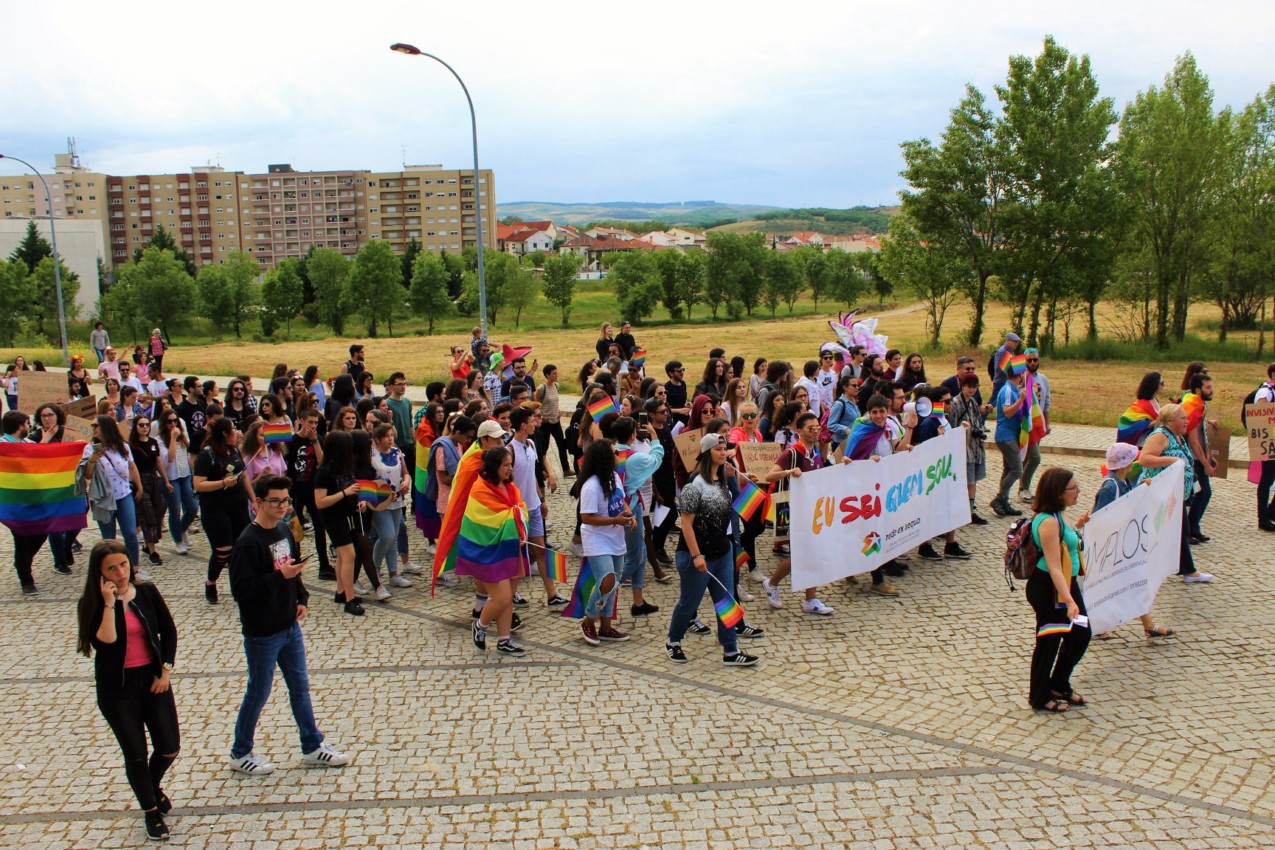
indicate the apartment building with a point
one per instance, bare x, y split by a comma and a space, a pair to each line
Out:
77, 192
200, 210
285, 212
437, 207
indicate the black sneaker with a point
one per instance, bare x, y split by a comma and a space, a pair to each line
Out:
894, 569
740, 659
557, 601
210, 593
479, 635
156, 829
508, 647
1010, 510
955, 551
998, 507
162, 802
354, 607
927, 553
975, 519
697, 627
77, 546
29, 588
515, 624
63, 569
155, 559
475, 613
327, 575
520, 600
746, 631
675, 654
644, 609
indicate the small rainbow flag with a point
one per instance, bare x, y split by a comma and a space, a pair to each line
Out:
276, 432
741, 559
1017, 365
1135, 420
585, 588
938, 412
37, 487
1050, 629
1194, 407
637, 359
373, 490
729, 612
750, 498
556, 565
622, 462
1003, 364
601, 408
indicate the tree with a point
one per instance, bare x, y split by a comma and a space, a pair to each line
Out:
691, 272
376, 287
282, 296
153, 291
499, 268
428, 294
814, 268
15, 298
783, 281
669, 264
637, 285
32, 249
927, 271
163, 240
520, 289
735, 271
228, 292
43, 289
558, 281
847, 280
329, 272
408, 262
455, 274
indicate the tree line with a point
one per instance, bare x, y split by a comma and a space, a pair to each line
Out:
28, 290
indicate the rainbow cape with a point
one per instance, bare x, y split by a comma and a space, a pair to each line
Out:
492, 530
729, 612
1194, 407
601, 408
37, 487
1031, 427
1135, 421
424, 508
374, 490
276, 432
863, 438
750, 498
637, 359
556, 565
462, 482
585, 588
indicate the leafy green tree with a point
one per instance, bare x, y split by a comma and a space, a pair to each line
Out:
154, 291
926, 271
813, 265
428, 295
636, 281
521, 289
15, 298
559, 281
228, 292
282, 296
455, 274
164, 240
499, 268
44, 292
376, 288
691, 273
408, 262
329, 272
535, 260
847, 279
32, 249
669, 264
784, 280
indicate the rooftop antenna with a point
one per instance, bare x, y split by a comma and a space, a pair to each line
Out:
404, 149
70, 149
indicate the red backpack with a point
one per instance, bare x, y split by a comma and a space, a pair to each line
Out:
1021, 552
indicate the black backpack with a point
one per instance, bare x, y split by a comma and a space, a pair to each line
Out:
1249, 399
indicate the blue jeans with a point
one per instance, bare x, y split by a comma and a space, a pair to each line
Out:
635, 557
402, 531
386, 525
286, 649
125, 515
182, 506
599, 604
694, 583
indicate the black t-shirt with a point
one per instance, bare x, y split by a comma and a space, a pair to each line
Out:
627, 343
926, 429
354, 369
267, 601
194, 414
237, 416
325, 479
676, 399
146, 455
302, 459
215, 468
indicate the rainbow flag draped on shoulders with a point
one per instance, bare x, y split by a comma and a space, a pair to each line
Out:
37, 487
423, 507
1194, 407
1136, 420
1031, 428
492, 530
462, 483
863, 438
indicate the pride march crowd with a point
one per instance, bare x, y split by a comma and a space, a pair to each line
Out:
346, 472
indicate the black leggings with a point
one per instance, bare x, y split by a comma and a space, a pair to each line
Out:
25, 547
1056, 655
753, 529
553, 429
132, 710
1264, 491
222, 526
303, 503
363, 555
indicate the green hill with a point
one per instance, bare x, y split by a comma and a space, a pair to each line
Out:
684, 212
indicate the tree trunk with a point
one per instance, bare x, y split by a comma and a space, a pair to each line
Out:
1093, 319
1032, 341
1225, 325
980, 307
1051, 316
1261, 331
1164, 288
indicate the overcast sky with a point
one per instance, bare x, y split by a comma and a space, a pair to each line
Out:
800, 104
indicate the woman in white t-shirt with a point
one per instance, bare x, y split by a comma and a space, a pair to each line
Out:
108, 460
604, 517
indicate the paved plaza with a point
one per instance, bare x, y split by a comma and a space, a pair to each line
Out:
894, 723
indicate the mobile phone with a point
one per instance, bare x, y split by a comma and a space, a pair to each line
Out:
643, 419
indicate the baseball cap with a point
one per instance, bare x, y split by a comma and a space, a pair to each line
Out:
710, 441
490, 428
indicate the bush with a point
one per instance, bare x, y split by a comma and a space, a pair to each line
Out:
1190, 348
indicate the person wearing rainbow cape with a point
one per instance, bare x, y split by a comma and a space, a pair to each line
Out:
490, 546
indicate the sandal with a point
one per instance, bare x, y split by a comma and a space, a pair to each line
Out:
1057, 706
1073, 698
1159, 631
1106, 636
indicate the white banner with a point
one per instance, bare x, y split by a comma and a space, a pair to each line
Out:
852, 518
1131, 547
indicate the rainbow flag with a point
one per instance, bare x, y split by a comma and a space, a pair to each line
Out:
601, 408
374, 490
585, 588
492, 531
637, 359
863, 438
1053, 629
1194, 407
1031, 424
1135, 421
556, 565
729, 612
622, 462
750, 498
1002, 365
938, 412
37, 487
462, 482
276, 432
741, 559
1017, 365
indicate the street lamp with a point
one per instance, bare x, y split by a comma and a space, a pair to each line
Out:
473, 123
57, 261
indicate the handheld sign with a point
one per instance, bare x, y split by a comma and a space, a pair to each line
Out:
1219, 440
758, 458
687, 444
1259, 422
37, 388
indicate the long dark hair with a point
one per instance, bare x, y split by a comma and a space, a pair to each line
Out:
221, 436
134, 441
338, 452
361, 447
108, 434
276, 406
455, 388
1050, 491
1149, 387
906, 373
91, 600
599, 460
1193, 368
493, 459
311, 372
342, 390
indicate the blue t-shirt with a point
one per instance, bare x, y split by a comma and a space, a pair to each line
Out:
1007, 426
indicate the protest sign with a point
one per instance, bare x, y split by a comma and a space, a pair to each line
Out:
1219, 440
1131, 547
85, 408
852, 518
1259, 422
78, 429
687, 444
37, 388
758, 458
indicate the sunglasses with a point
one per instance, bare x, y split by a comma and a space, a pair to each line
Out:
826, 357
748, 416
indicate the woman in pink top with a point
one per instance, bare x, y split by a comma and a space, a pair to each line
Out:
262, 457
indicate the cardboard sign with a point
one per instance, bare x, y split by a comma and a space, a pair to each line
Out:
37, 388
687, 444
78, 429
1259, 422
1219, 448
758, 458
85, 408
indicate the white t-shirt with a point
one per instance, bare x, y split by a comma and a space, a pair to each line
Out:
132, 382
885, 443
525, 472
827, 381
116, 468
602, 539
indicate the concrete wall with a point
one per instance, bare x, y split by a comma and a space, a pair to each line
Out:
79, 245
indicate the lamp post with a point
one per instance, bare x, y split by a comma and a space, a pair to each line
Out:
57, 261
478, 207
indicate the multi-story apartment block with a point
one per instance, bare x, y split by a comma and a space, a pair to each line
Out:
285, 212
77, 192
437, 207
200, 210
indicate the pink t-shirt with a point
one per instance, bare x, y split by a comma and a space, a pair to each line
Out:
444, 490
137, 652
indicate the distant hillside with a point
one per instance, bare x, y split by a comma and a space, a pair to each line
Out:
859, 220
684, 212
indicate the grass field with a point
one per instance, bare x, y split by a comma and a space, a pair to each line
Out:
1085, 392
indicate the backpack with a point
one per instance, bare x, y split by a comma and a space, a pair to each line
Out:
1021, 551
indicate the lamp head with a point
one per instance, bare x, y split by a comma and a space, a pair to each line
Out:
405, 48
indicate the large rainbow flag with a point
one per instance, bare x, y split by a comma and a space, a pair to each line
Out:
462, 482
1031, 427
863, 438
1194, 407
1134, 422
585, 587
37, 487
423, 508
492, 530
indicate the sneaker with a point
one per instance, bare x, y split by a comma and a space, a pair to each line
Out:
772, 594
783, 549
155, 558
955, 551
998, 507
354, 608
508, 647
927, 553
251, 765
162, 803
643, 610
479, 635
382, 594
186, 538
756, 575
883, 589
697, 627
412, 568
975, 519
556, 601
1010, 510
894, 568
142, 575
576, 549
62, 569
515, 623
210, 593
448, 579
663, 558
77, 546
1024, 496
360, 589
614, 635
740, 659
751, 632
183, 549
156, 829
29, 588
814, 606
325, 756
675, 654
590, 633
307, 526
520, 600
1197, 577
743, 595
327, 575
398, 580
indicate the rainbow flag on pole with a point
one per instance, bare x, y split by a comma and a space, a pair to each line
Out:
556, 565
585, 587
1135, 421
637, 359
374, 490
1017, 365
1002, 365
601, 408
276, 432
750, 498
741, 559
37, 487
729, 612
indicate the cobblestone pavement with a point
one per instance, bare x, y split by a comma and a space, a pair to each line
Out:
893, 723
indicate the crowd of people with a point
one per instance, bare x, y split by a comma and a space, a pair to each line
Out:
344, 466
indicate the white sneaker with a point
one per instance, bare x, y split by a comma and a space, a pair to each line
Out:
448, 579
756, 575
397, 580
744, 595
1190, 578
360, 589
413, 568
251, 765
430, 548
772, 594
576, 549
326, 756
382, 593
814, 606
182, 548
1024, 496
142, 575
186, 538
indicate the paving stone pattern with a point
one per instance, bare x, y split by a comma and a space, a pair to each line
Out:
894, 723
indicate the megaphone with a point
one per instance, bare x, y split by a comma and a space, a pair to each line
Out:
924, 407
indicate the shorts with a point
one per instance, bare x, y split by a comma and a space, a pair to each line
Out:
341, 529
975, 472
536, 523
